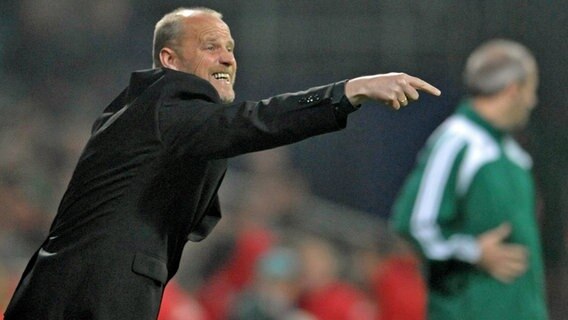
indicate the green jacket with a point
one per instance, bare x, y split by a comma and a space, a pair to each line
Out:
470, 178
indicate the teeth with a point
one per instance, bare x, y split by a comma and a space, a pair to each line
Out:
221, 75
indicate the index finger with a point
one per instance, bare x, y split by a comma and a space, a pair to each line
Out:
423, 86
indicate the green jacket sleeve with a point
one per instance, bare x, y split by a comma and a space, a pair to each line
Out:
426, 211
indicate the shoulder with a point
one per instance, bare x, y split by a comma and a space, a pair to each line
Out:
172, 85
461, 146
447, 143
469, 132
183, 85
516, 153
465, 133
480, 149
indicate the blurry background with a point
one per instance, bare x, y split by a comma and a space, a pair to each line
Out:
63, 61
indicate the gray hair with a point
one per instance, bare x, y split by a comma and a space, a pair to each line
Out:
496, 64
170, 28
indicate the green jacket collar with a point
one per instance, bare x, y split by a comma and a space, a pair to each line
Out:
465, 108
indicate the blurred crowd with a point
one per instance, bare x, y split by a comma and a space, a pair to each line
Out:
280, 252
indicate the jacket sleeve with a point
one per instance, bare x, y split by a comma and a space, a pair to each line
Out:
426, 211
195, 127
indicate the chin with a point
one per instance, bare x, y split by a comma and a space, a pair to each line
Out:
518, 127
227, 99
227, 96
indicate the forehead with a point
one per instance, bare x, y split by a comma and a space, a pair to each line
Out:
205, 27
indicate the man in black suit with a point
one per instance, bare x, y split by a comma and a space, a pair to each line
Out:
147, 180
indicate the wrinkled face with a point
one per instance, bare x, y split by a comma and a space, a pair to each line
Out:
206, 50
523, 103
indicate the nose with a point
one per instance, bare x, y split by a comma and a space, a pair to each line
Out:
228, 58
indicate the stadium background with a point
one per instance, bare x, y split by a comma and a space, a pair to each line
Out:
62, 61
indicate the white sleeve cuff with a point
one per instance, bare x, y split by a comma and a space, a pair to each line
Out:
465, 248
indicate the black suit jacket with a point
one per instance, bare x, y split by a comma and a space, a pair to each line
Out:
146, 183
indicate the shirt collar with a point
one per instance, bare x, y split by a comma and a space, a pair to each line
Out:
465, 108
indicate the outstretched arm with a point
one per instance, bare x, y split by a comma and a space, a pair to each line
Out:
393, 89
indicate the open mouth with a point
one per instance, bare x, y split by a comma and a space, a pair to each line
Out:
222, 76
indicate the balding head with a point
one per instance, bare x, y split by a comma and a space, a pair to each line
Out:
502, 78
170, 28
497, 64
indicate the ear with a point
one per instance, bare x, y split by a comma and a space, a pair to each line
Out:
510, 91
513, 88
169, 58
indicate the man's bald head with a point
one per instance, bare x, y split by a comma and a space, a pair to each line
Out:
170, 28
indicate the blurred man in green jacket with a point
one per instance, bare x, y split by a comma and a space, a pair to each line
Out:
469, 205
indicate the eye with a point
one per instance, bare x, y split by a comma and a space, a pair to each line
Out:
210, 46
